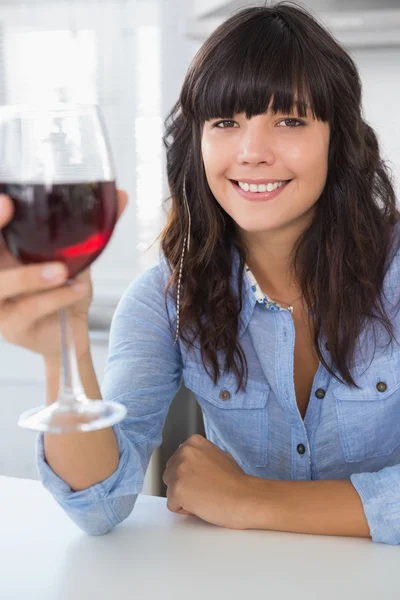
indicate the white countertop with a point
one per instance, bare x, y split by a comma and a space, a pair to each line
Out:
158, 554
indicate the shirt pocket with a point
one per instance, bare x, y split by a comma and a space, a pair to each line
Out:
238, 419
369, 418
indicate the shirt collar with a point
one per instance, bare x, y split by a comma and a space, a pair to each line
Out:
260, 296
251, 293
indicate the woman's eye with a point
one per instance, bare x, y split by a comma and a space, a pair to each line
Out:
289, 123
292, 123
220, 123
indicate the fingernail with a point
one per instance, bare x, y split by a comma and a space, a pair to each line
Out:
50, 272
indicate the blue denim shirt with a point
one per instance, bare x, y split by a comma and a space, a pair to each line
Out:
347, 433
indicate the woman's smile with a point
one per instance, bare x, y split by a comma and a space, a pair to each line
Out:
259, 196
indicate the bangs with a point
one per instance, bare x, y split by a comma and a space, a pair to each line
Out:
242, 73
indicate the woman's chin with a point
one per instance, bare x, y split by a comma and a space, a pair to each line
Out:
255, 226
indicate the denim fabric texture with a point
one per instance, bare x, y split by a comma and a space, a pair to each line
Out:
347, 433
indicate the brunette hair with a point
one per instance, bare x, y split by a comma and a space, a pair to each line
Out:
282, 53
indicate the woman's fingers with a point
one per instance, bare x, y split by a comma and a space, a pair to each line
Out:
122, 199
33, 278
6, 210
21, 313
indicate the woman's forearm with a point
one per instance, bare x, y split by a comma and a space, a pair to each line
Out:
80, 459
329, 507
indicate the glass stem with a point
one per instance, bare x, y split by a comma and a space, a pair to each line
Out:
71, 389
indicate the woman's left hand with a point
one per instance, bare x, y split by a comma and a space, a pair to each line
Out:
205, 481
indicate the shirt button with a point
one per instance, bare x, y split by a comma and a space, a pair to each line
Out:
381, 387
320, 393
224, 395
301, 448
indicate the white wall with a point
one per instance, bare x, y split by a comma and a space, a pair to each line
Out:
380, 73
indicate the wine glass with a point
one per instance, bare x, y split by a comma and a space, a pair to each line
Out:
57, 169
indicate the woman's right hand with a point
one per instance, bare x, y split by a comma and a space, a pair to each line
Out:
30, 297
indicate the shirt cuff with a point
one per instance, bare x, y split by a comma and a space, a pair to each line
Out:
380, 496
126, 480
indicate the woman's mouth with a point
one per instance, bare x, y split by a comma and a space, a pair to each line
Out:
255, 196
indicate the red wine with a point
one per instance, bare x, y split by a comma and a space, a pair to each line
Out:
71, 223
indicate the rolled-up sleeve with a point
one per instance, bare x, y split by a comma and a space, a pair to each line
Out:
144, 372
380, 496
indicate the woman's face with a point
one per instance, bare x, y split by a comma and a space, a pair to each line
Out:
272, 147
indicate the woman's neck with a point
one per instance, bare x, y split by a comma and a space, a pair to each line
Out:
269, 259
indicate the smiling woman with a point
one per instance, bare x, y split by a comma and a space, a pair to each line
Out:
278, 191
269, 97
267, 145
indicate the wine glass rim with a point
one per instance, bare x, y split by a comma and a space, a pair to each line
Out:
48, 107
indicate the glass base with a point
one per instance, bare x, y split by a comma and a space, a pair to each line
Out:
84, 415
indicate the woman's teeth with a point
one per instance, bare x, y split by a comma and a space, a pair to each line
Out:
269, 187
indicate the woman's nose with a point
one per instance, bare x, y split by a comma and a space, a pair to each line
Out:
255, 148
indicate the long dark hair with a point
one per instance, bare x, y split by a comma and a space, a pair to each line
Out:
279, 52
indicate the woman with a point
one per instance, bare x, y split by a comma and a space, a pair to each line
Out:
275, 299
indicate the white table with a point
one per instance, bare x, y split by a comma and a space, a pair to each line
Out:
156, 554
